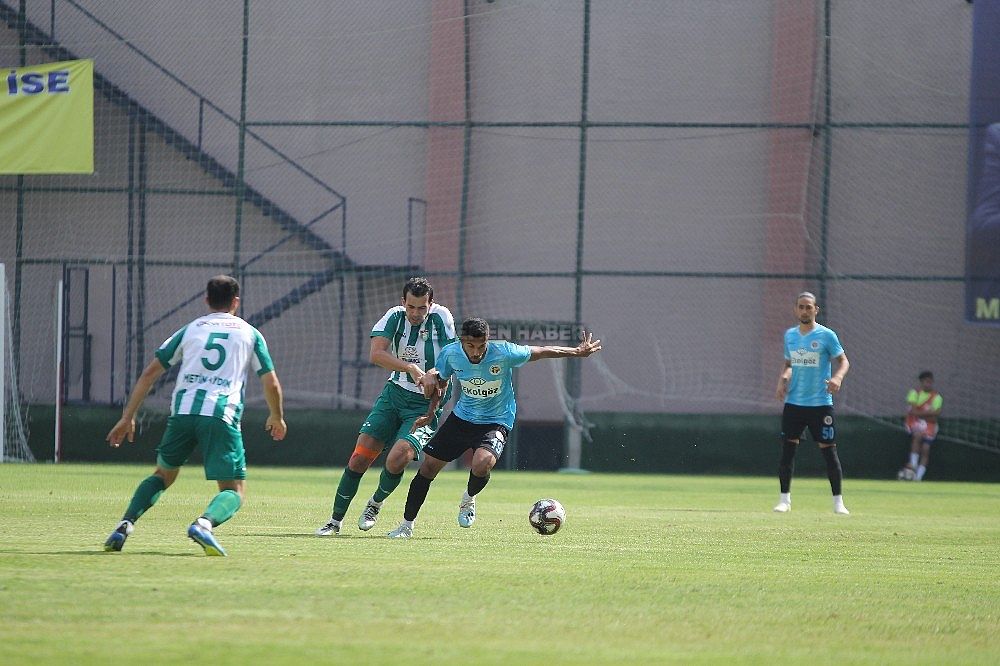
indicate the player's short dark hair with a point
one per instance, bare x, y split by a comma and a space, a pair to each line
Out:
474, 327
221, 291
926, 374
418, 286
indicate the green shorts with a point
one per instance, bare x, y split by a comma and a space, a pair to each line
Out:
221, 446
393, 415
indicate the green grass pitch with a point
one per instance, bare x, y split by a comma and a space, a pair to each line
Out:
647, 570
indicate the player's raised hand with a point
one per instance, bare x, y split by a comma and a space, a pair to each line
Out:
588, 345
276, 426
124, 428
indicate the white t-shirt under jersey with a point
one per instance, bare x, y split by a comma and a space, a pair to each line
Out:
214, 353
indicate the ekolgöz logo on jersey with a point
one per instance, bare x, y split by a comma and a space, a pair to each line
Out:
477, 387
805, 359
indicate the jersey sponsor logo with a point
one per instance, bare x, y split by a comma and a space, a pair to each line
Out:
495, 369
409, 354
224, 324
479, 388
804, 359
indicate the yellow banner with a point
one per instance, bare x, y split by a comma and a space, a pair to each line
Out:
47, 118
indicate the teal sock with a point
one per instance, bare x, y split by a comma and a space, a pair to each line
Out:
346, 491
145, 496
387, 482
223, 507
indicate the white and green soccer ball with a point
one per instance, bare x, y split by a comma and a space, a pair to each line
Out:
547, 516
906, 474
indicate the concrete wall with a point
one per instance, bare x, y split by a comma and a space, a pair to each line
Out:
696, 198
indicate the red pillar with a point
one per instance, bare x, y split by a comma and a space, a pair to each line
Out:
445, 145
793, 58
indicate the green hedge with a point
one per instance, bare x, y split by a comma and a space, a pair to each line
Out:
663, 443
741, 444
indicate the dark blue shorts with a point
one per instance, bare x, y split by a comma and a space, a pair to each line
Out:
456, 436
819, 420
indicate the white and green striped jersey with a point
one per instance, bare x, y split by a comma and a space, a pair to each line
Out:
214, 353
415, 344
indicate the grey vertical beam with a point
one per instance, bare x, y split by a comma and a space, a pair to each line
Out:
114, 331
359, 335
466, 154
130, 254
573, 369
15, 338
341, 300
824, 266
140, 292
241, 165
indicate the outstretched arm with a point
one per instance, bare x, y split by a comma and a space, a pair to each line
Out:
275, 423
126, 424
586, 347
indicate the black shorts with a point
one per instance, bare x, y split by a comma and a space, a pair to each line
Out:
456, 436
819, 420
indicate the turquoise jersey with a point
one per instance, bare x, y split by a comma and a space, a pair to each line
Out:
810, 356
486, 392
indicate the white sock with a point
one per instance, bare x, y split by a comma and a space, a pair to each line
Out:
372, 501
407, 523
838, 500
335, 522
466, 496
921, 471
786, 498
914, 459
205, 522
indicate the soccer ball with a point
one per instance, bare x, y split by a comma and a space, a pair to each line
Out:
547, 516
906, 474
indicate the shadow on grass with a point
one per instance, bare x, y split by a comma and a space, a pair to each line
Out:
298, 535
104, 553
339, 537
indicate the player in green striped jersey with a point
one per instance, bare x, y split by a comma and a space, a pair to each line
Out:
405, 341
214, 352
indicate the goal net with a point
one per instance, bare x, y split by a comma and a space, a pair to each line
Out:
668, 175
13, 434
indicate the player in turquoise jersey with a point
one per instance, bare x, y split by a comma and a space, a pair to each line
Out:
406, 341
482, 419
214, 353
807, 386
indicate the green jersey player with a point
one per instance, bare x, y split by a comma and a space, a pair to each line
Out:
406, 341
214, 353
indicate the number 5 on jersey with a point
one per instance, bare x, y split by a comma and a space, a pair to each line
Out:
210, 346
